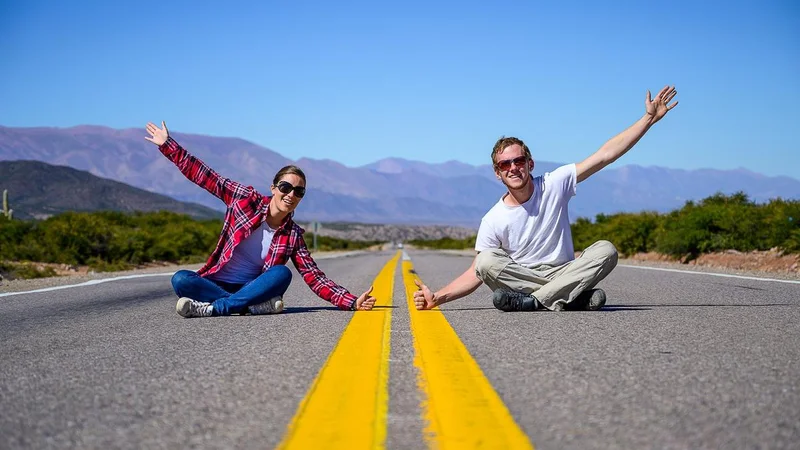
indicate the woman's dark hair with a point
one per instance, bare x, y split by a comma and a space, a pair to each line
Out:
294, 170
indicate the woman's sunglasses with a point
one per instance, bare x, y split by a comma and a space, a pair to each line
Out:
285, 187
506, 163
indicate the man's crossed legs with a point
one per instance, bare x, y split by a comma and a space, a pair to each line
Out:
566, 286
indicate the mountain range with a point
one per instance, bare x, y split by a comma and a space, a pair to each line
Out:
38, 190
391, 190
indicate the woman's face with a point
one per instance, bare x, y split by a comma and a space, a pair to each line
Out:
287, 202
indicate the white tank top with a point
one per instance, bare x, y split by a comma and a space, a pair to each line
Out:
248, 257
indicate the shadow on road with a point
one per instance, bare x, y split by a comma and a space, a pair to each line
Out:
306, 309
739, 286
611, 308
695, 305
480, 308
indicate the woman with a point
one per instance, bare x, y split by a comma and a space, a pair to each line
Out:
247, 272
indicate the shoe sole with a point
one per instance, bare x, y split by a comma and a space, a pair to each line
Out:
276, 309
594, 306
183, 306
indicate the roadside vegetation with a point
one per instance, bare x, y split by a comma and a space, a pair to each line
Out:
717, 223
111, 241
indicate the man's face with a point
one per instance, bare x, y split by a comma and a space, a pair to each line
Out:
511, 167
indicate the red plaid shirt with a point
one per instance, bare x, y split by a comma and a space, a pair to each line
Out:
247, 209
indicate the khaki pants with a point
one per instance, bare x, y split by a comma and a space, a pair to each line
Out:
550, 284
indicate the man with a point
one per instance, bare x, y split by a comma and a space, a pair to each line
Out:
524, 242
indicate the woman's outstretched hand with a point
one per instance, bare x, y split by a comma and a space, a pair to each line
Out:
365, 302
157, 135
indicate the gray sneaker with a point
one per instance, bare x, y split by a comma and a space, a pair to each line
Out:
508, 300
271, 306
590, 300
192, 308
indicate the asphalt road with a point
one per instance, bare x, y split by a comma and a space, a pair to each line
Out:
675, 360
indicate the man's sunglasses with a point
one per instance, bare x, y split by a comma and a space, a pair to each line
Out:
505, 164
285, 187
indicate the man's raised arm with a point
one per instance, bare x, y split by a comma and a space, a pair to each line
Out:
655, 110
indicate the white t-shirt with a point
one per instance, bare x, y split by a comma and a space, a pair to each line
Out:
538, 231
248, 257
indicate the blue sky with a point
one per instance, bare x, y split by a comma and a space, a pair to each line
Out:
432, 81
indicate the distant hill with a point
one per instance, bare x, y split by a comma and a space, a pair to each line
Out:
38, 190
388, 191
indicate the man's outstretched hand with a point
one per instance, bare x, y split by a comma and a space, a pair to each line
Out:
423, 298
157, 135
658, 107
365, 302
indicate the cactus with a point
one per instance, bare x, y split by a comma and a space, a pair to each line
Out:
7, 212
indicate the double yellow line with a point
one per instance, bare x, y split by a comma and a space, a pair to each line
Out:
352, 384
460, 408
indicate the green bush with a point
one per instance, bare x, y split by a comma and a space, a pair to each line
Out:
109, 240
630, 233
717, 223
12, 233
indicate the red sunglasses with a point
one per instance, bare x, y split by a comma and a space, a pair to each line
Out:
505, 164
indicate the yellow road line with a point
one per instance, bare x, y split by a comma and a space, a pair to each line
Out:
461, 409
337, 412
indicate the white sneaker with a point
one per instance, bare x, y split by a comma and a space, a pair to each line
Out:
271, 306
192, 308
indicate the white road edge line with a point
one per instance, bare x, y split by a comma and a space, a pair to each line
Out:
726, 275
128, 277
88, 283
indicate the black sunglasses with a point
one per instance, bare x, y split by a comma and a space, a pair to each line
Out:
505, 164
285, 187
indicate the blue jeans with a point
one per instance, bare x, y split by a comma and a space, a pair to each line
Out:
229, 298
